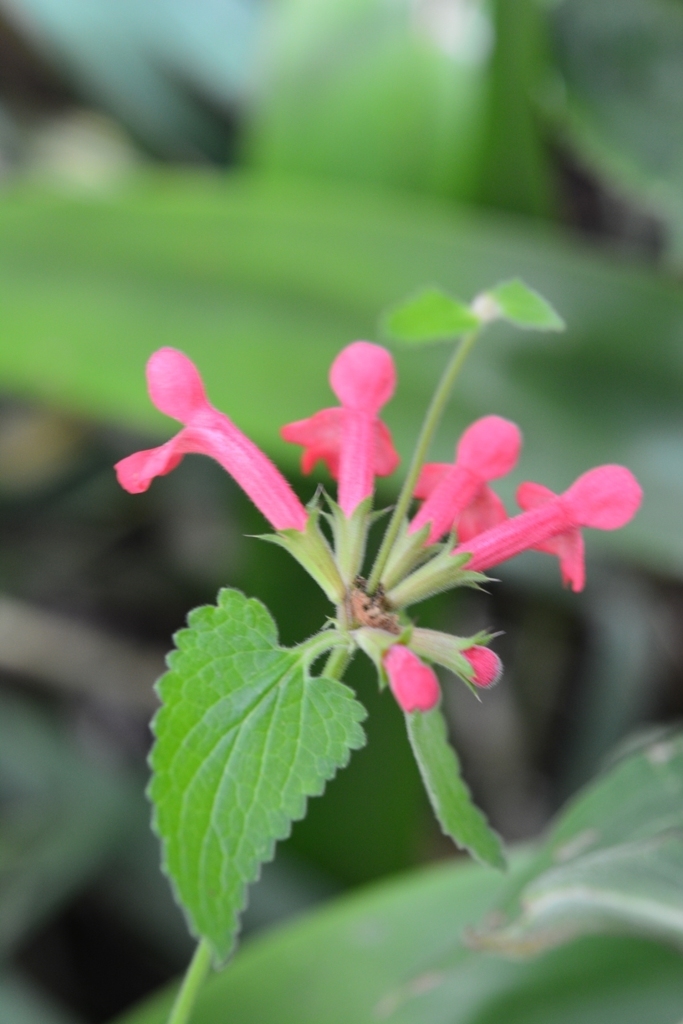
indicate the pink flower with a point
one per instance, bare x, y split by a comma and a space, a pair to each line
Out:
457, 494
605, 498
413, 684
488, 668
176, 388
351, 439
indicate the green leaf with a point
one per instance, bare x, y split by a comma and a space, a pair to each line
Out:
523, 307
614, 862
449, 796
244, 736
394, 952
430, 316
61, 818
626, 124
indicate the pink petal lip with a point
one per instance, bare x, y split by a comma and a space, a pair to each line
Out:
488, 449
363, 377
176, 388
605, 498
354, 444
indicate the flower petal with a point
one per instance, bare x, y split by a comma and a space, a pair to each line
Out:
490, 447
387, 458
487, 449
531, 495
363, 377
136, 472
484, 512
488, 668
413, 684
175, 385
605, 498
320, 436
176, 388
431, 475
568, 547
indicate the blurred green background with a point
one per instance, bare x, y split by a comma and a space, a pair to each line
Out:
254, 181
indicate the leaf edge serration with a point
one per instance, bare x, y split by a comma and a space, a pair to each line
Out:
203, 620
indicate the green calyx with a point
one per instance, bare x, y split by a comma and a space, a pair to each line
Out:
376, 642
350, 537
312, 551
446, 650
443, 572
408, 552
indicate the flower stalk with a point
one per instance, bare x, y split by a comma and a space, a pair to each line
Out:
429, 426
195, 976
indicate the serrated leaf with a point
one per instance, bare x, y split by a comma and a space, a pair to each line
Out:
431, 316
614, 861
524, 307
449, 796
244, 736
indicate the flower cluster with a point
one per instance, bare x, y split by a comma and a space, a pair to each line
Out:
457, 504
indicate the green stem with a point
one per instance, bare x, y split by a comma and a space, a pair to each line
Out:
336, 663
196, 974
431, 422
320, 643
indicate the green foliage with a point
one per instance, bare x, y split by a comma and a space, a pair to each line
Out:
524, 307
244, 736
403, 950
395, 952
614, 861
621, 104
60, 819
431, 316
449, 796
369, 92
427, 99
22, 1003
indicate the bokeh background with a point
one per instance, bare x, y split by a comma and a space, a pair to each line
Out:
254, 181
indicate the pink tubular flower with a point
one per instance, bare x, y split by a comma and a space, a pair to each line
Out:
413, 684
176, 389
488, 668
351, 439
457, 494
605, 498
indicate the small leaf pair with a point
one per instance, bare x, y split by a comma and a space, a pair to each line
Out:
433, 315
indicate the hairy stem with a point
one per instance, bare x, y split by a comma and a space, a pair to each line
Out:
196, 974
431, 422
335, 666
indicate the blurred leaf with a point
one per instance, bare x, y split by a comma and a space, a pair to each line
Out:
622, 101
262, 283
61, 816
22, 1003
513, 162
394, 952
524, 307
165, 68
435, 97
264, 735
613, 862
430, 316
365, 91
459, 817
